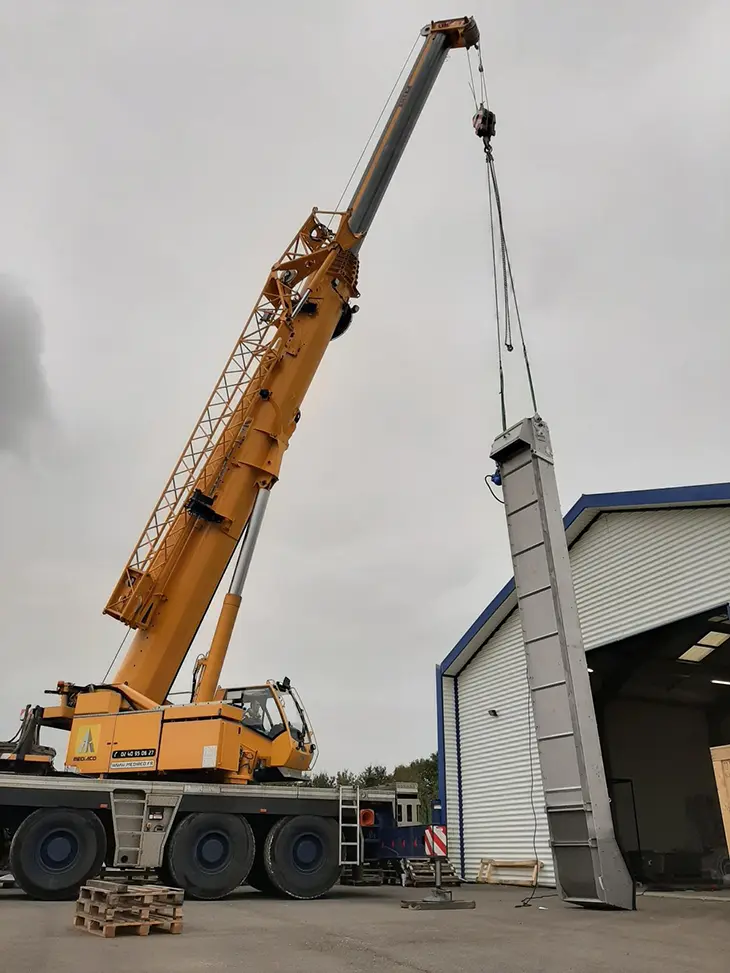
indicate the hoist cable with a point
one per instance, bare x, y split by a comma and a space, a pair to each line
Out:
504, 258
472, 84
484, 126
375, 127
482, 77
528, 367
510, 285
502, 401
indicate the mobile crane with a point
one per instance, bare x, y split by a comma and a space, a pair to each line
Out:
211, 792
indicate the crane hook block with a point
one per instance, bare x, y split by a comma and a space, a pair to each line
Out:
485, 123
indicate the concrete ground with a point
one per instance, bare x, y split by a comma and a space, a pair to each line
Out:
358, 930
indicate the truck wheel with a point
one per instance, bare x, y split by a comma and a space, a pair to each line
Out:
301, 855
209, 855
55, 850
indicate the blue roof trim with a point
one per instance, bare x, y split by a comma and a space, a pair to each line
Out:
707, 493
667, 496
472, 631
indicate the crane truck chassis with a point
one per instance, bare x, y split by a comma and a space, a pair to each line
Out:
285, 840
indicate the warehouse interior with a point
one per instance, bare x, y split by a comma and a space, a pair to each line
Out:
662, 700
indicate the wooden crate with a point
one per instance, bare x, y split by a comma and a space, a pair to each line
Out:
721, 765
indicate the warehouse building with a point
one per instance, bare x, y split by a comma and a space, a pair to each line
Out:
651, 571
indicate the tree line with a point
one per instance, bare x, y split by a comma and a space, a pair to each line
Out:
423, 771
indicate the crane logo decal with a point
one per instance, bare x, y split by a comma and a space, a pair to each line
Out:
87, 743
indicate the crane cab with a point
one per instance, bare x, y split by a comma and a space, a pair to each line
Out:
275, 724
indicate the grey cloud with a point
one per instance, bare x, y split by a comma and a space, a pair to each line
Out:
24, 398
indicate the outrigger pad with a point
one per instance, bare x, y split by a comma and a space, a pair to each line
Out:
440, 899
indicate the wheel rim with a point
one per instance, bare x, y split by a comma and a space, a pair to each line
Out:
307, 852
58, 850
213, 851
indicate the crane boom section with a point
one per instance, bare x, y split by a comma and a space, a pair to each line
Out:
237, 445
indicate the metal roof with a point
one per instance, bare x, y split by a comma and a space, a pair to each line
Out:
576, 521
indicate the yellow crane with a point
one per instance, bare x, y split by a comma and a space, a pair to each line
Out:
209, 514
218, 492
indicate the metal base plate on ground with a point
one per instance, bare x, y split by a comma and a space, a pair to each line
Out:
439, 899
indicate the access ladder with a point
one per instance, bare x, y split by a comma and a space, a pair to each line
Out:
349, 820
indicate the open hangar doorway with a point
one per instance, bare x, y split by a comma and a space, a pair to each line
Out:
662, 700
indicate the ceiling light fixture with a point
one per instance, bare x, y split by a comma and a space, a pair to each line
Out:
704, 646
721, 682
696, 653
714, 638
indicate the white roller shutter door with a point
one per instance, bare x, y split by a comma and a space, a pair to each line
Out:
636, 570
502, 795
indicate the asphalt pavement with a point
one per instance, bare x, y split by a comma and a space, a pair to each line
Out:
358, 930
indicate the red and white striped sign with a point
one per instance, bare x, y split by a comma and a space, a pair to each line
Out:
435, 841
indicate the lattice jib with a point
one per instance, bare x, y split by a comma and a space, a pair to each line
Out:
220, 422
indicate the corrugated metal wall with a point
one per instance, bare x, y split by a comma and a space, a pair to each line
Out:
632, 571
502, 794
635, 571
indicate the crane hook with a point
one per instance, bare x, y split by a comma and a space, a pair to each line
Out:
485, 127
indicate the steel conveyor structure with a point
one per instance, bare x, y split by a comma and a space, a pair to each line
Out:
589, 865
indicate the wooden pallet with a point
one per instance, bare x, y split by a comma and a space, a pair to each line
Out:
488, 866
721, 766
137, 927
99, 890
107, 908
99, 910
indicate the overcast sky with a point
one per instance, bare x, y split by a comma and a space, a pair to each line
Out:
157, 156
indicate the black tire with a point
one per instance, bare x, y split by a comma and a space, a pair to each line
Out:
56, 850
209, 855
301, 855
